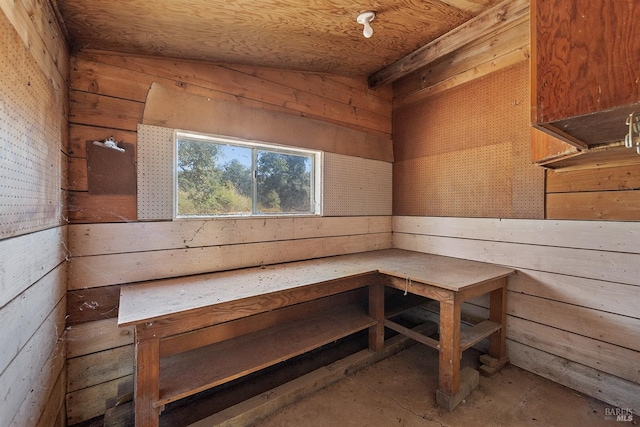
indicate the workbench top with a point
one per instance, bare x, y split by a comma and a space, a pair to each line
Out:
155, 300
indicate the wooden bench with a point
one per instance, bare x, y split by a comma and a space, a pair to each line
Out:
194, 333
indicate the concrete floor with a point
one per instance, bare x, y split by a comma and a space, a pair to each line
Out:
400, 391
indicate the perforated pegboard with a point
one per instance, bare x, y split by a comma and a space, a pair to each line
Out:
155, 173
31, 129
466, 152
356, 186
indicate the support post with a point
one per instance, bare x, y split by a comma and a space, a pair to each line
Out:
497, 357
454, 386
449, 371
147, 382
376, 311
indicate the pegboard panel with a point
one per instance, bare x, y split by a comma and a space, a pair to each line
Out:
31, 129
461, 188
155, 173
458, 152
356, 186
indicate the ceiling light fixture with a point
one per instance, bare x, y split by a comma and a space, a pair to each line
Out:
365, 19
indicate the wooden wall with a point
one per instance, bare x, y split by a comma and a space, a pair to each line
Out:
604, 192
462, 135
572, 306
110, 248
33, 136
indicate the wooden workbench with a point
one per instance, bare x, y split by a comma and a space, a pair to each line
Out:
243, 320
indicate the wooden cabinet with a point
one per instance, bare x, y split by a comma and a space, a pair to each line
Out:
585, 73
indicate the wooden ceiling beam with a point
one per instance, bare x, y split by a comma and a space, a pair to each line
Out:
496, 19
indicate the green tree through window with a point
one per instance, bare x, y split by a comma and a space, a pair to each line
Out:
216, 178
286, 176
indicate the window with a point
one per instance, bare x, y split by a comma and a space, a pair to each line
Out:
218, 176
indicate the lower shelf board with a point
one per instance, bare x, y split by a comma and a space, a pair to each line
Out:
188, 373
477, 333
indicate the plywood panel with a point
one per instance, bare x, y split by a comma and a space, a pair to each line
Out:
105, 79
466, 152
585, 59
272, 34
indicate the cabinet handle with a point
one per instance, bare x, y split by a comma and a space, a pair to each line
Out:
632, 122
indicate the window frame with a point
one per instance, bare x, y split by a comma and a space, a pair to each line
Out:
316, 178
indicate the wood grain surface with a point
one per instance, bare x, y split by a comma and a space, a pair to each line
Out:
321, 36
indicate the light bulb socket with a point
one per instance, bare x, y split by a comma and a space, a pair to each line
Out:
365, 19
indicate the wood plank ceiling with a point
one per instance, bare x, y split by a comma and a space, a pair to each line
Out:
319, 35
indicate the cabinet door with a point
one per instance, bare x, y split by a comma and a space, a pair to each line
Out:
585, 60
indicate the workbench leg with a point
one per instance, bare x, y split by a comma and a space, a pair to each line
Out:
376, 311
453, 385
147, 383
449, 368
497, 354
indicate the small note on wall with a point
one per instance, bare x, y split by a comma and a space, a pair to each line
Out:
110, 171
